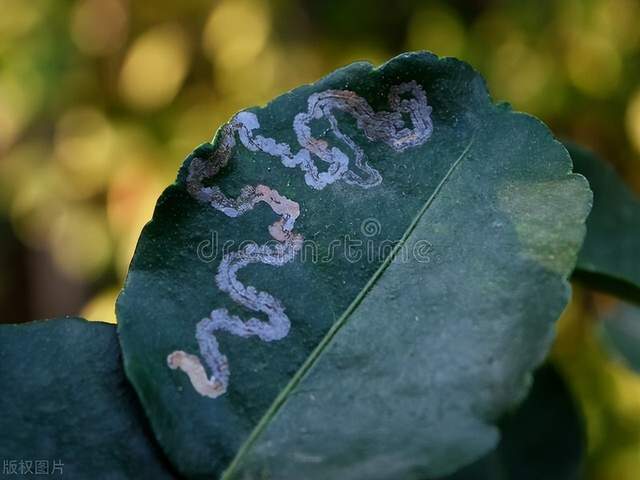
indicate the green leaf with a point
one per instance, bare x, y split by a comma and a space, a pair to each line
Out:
67, 407
621, 329
411, 243
610, 257
543, 439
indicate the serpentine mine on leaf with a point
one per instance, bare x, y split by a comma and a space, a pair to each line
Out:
407, 101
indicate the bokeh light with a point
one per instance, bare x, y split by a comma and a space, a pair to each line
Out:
633, 120
99, 27
440, 27
236, 32
155, 67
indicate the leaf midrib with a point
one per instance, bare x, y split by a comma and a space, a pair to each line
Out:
335, 328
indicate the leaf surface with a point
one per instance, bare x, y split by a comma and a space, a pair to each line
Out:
353, 281
610, 256
66, 403
543, 439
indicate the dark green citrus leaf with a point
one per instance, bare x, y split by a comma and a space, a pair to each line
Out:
67, 408
353, 281
543, 439
610, 256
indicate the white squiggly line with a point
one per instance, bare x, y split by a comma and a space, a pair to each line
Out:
278, 324
388, 127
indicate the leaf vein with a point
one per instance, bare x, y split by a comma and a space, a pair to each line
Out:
335, 328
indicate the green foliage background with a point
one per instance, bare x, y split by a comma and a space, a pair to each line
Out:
100, 101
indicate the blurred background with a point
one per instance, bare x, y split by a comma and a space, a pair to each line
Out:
101, 100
